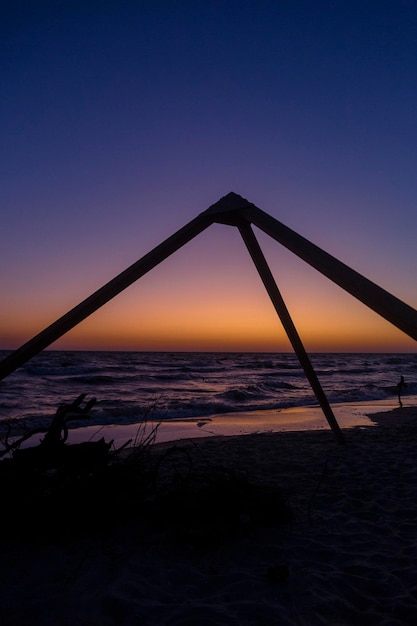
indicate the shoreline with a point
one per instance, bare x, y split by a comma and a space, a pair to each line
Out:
294, 419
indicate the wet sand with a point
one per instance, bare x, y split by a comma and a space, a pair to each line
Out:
250, 422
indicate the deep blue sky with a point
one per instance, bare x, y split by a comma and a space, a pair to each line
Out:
120, 121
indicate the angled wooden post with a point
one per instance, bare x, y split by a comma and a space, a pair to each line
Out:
379, 300
280, 307
103, 295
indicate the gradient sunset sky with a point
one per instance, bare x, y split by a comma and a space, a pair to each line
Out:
121, 121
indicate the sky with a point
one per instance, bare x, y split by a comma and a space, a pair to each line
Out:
122, 121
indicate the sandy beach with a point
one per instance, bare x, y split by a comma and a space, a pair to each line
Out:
346, 554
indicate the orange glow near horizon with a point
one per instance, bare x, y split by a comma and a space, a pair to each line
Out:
187, 305
224, 325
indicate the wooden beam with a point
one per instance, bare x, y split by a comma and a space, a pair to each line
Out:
280, 307
103, 295
382, 302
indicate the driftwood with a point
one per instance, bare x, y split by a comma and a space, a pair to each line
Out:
58, 430
54, 453
69, 489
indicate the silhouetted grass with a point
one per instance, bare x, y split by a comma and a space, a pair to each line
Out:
57, 491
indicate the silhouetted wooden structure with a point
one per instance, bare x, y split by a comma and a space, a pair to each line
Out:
234, 210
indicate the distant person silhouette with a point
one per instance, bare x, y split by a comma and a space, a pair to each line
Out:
401, 385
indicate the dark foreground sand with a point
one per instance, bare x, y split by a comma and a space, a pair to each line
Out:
347, 556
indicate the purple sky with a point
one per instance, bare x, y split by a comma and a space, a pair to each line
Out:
121, 121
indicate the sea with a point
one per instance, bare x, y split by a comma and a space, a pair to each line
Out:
130, 387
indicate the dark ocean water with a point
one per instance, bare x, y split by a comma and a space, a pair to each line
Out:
132, 386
